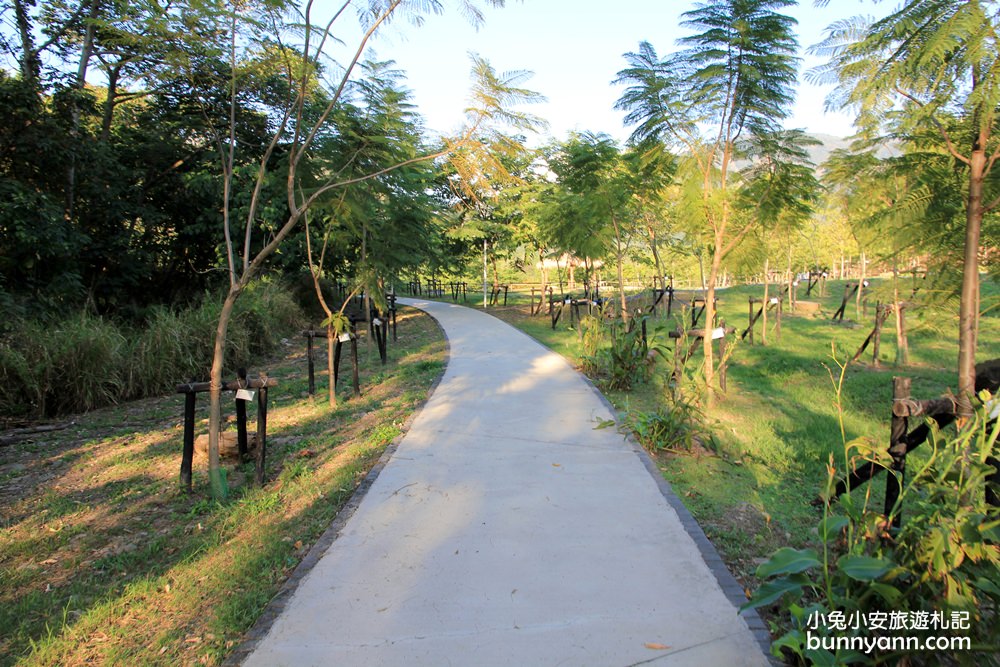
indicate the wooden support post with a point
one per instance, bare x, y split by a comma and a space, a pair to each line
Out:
678, 365
751, 320
311, 363
695, 311
241, 415
557, 313
187, 454
722, 357
897, 449
354, 366
849, 290
379, 326
777, 321
261, 431
992, 482
877, 342
336, 363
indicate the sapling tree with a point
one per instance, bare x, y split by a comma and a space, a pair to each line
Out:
594, 212
734, 79
491, 155
297, 128
931, 63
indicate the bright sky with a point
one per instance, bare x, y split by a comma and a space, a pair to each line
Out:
575, 49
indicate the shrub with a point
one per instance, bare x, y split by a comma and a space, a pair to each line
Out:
629, 355
86, 362
679, 425
944, 559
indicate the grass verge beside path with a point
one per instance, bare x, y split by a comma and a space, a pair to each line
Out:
779, 422
104, 560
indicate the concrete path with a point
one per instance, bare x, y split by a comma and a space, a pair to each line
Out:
506, 530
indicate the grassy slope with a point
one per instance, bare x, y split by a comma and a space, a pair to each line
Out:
104, 560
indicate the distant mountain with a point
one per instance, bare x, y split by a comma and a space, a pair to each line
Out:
830, 143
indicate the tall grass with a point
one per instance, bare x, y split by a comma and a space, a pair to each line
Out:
86, 361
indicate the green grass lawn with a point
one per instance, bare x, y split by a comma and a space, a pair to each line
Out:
780, 420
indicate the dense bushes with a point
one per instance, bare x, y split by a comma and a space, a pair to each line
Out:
86, 362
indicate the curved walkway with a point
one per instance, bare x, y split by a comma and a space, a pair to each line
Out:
506, 530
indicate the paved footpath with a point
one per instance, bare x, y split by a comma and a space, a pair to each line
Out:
506, 530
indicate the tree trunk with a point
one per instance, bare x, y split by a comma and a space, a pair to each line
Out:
701, 270
902, 345
763, 313
108, 112
330, 370
86, 51
710, 317
660, 276
620, 262
545, 278
29, 62
216, 483
968, 314
861, 287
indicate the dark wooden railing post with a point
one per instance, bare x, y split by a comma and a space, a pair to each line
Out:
722, 354
897, 450
354, 365
261, 430
241, 414
187, 453
312, 363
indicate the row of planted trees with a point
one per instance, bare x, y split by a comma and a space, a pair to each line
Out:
219, 134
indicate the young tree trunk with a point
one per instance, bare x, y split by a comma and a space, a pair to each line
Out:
216, 483
29, 62
701, 271
545, 278
763, 314
330, 333
902, 345
861, 288
660, 275
620, 261
707, 341
968, 314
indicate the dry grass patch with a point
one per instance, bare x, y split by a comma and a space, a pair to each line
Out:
103, 559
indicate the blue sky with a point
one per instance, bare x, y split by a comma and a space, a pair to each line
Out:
575, 48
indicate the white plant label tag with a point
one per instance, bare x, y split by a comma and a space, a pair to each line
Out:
718, 333
244, 395
344, 338
377, 322
774, 299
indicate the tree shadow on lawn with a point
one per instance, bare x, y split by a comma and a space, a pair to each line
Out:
92, 523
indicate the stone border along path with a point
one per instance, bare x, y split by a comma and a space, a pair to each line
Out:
506, 530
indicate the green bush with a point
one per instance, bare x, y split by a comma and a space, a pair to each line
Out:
678, 425
629, 355
87, 362
944, 559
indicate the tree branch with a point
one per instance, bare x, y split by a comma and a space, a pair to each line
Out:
944, 133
